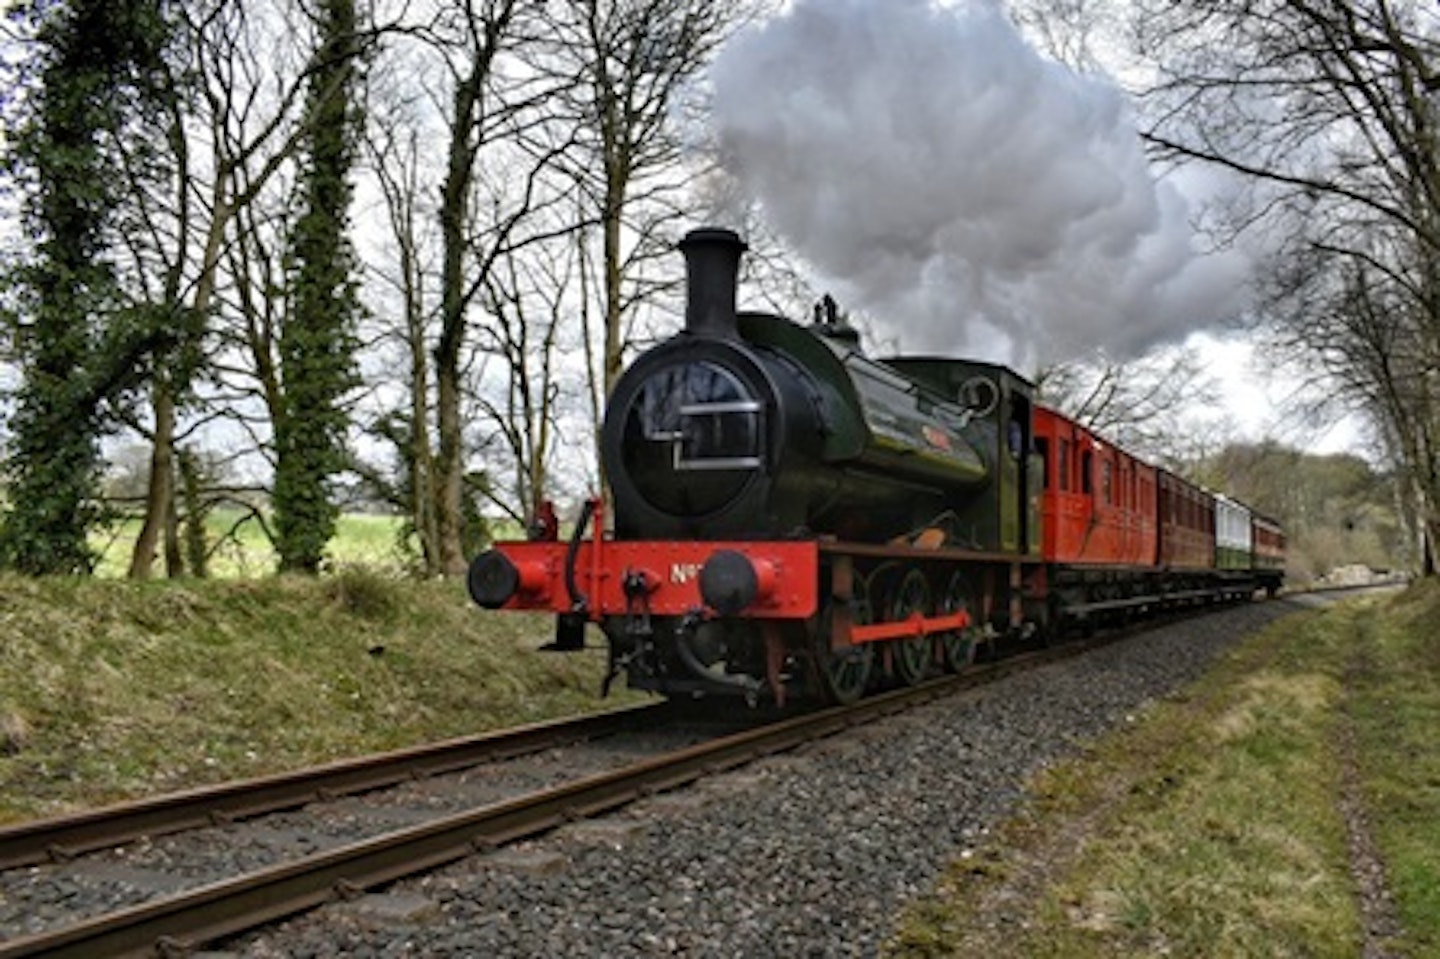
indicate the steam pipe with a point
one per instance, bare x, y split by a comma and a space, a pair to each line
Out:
579, 602
684, 632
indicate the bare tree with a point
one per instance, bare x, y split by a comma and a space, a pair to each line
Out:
507, 110
1328, 110
1140, 403
230, 142
1073, 32
1379, 346
395, 146
528, 301
638, 62
476, 37
158, 243
474, 71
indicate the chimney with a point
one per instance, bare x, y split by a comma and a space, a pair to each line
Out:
712, 267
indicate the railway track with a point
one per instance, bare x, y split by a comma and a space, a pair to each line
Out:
65, 837
184, 921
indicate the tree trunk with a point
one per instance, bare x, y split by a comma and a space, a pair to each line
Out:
1429, 536
160, 494
174, 555
449, 478
450, 463
1429, 523
193, 544
614, 314
422, 457
450, 482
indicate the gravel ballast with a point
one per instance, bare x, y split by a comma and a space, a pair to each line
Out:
814, 853
45, 897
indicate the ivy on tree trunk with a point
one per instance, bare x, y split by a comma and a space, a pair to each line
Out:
317, 342
91, 72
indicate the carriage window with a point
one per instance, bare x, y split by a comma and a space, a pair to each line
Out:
1065, 465
1042, 449
1087, 467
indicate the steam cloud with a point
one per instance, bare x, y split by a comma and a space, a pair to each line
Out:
973, 197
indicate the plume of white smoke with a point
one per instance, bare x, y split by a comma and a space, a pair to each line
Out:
973, 197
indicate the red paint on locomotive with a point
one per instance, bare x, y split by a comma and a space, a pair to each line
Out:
669, 572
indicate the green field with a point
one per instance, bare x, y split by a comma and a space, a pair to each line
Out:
241, 548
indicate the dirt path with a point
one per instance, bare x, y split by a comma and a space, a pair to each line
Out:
1382, 928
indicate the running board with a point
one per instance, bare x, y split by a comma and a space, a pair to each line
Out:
1133, 602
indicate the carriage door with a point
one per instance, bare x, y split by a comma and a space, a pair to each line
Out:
1029, 479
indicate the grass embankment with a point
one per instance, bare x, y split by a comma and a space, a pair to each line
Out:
1222, 822
112, 689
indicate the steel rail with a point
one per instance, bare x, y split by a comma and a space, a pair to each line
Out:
64, 837
186, 921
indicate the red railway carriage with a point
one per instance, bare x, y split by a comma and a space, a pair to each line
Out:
1187, 524
1098, 502
1269, 544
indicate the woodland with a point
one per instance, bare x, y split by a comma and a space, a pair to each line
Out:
298, 257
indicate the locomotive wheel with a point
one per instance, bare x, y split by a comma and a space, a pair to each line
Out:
843, 674
911, 657
957, 646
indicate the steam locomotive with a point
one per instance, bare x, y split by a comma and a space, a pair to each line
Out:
792, 516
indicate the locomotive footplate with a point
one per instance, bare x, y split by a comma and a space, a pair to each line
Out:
543, 575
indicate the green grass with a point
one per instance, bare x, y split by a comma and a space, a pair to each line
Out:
112, 689
1212, 826
1398, 727
241, 549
